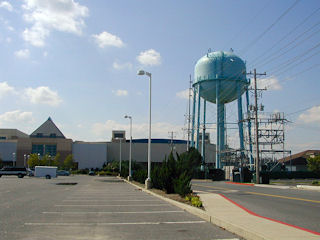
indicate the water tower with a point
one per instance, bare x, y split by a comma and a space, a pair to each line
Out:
220, 78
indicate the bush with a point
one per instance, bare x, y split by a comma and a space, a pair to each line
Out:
218, 175
182, 185
140, 175
80, 171
107, 173
290, 175
156, 177
316, 182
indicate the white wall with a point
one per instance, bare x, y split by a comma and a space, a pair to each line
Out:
158, 151
89, 155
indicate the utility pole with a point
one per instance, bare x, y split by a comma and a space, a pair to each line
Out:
257, 162
189, 116
171, 142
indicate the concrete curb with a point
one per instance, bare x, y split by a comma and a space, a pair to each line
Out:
306, 187
242, 232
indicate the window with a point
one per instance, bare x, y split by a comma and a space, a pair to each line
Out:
39, 135
44, 149
118, 135
38, 149
53, 135
51, 150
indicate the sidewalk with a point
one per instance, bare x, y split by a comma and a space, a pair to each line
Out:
248, 225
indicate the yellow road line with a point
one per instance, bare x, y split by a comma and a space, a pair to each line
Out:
262, 194
285, 197
211, 187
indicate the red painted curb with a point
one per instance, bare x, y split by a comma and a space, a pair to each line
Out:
274, 220
246, 184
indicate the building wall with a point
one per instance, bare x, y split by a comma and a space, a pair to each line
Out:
89, 155
7, 147
24, 147
158, 151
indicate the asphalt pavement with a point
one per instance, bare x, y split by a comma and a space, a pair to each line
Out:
93, 208
293, 206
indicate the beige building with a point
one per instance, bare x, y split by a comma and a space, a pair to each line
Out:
15, 146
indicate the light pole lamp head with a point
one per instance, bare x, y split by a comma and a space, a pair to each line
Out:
126, 116
142, 72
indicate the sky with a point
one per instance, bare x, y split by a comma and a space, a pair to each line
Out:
76, 61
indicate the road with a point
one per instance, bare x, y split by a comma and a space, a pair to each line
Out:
95, 208
297, 207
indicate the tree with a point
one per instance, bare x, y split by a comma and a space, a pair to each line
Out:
1, 163
56, 161
33, 160
68, 163
314, 164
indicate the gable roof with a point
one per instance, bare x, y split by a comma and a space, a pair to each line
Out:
304, 154
48, 129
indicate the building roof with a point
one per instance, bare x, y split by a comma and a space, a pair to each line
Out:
47, 130
12, 133
158, 140
304, 154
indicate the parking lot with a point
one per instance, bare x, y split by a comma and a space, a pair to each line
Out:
93, 208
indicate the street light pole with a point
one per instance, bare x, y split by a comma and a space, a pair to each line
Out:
120, 157
148, 180
130, 151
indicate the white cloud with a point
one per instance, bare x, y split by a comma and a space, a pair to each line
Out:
16, 117
120, 92
47, 15
6, 5
120, 66
106, 39
184, 94
5, 89
311, 116
159, 129
23, 53
10, 28
149, 57
43, 95
271, 83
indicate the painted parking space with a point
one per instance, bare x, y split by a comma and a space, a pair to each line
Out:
117, 210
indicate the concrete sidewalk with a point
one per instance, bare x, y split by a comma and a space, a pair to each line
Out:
235, 219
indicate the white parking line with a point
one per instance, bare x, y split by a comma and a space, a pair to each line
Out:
143, 212
110, 205
110, 224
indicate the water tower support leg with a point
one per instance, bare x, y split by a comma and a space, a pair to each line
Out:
220, 127
203, 144
193, 116
198, 117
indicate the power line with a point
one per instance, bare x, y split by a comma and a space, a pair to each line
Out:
270, 27
287, 35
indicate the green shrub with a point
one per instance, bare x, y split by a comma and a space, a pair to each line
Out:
195, 201
316, 182
140, 175
182, 185
156, 177
80, 171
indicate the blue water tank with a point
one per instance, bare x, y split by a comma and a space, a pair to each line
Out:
224, 68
